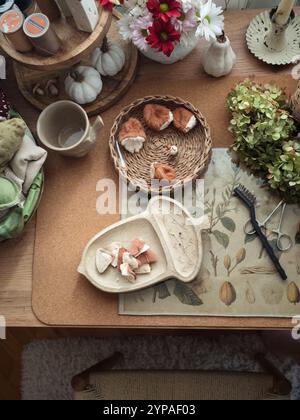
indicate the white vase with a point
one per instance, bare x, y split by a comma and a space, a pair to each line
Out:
180, 52
219, 58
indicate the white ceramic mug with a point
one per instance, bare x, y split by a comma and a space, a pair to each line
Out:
64, 127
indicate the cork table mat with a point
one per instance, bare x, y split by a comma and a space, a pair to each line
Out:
67, 217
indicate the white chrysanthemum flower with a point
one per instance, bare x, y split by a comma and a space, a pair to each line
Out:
191, 4
124, 26
211, 21
140, 31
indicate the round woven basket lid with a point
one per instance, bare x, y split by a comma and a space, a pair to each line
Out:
194, 147
256, 36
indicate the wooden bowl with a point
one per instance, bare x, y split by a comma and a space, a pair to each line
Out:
194, 147
75, 45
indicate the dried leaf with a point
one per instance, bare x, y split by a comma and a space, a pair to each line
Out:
229, 224
222, 238
186, 295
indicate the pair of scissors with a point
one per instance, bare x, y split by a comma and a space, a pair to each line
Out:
284, 242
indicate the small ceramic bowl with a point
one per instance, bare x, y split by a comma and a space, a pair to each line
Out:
10, 193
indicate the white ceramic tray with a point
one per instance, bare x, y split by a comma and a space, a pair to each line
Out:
170, 231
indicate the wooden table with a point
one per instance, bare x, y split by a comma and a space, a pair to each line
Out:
16, 257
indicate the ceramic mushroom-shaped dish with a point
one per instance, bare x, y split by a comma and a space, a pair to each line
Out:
166, 229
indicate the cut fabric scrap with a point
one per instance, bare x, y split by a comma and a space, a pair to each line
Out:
26, 164
11, 136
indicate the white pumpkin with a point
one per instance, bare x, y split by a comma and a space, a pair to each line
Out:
219, 58
83, 85
109, 59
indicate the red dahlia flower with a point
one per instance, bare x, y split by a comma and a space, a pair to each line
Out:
162, 36
164, 9
109, 4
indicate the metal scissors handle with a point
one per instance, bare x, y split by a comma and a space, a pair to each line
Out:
284, 242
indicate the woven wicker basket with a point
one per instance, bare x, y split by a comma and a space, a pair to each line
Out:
194, 148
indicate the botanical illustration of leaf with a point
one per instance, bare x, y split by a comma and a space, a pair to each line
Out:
219, 211
250, 238
162, 291
297, 238
273, 244
229, 224
186, 295
222, 238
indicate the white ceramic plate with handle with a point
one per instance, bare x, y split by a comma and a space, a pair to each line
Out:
170, 231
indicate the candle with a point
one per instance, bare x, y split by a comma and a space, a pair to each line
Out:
284, 11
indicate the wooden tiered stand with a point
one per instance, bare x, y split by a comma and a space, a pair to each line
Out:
32, 69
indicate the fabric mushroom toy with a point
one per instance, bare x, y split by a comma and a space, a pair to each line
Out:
157, 117
132, 136
11, 137
4, 107
184, 120
162, 172
131, 262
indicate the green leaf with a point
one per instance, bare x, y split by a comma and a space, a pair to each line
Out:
250, 238
162, 291
229, 224
186, 295
297, 238
222, 238
273, 244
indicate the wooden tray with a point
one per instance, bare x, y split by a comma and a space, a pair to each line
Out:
170, 232
75, 45
114, 87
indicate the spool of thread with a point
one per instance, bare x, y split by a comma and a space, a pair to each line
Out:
27, 7
11, 25
50, 9
40, 33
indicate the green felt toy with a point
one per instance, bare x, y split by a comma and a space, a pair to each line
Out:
13, 223
11, 136
9, 193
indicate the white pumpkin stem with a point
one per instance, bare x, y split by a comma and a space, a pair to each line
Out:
105, 46
222, 38
76, 76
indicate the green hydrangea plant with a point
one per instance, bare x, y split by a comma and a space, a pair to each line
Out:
264, 134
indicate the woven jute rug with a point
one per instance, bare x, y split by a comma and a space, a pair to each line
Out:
49, 366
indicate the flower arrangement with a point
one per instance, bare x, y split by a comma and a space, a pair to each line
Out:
265, 134
162, 24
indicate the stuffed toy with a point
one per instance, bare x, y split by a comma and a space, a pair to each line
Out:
11, 137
